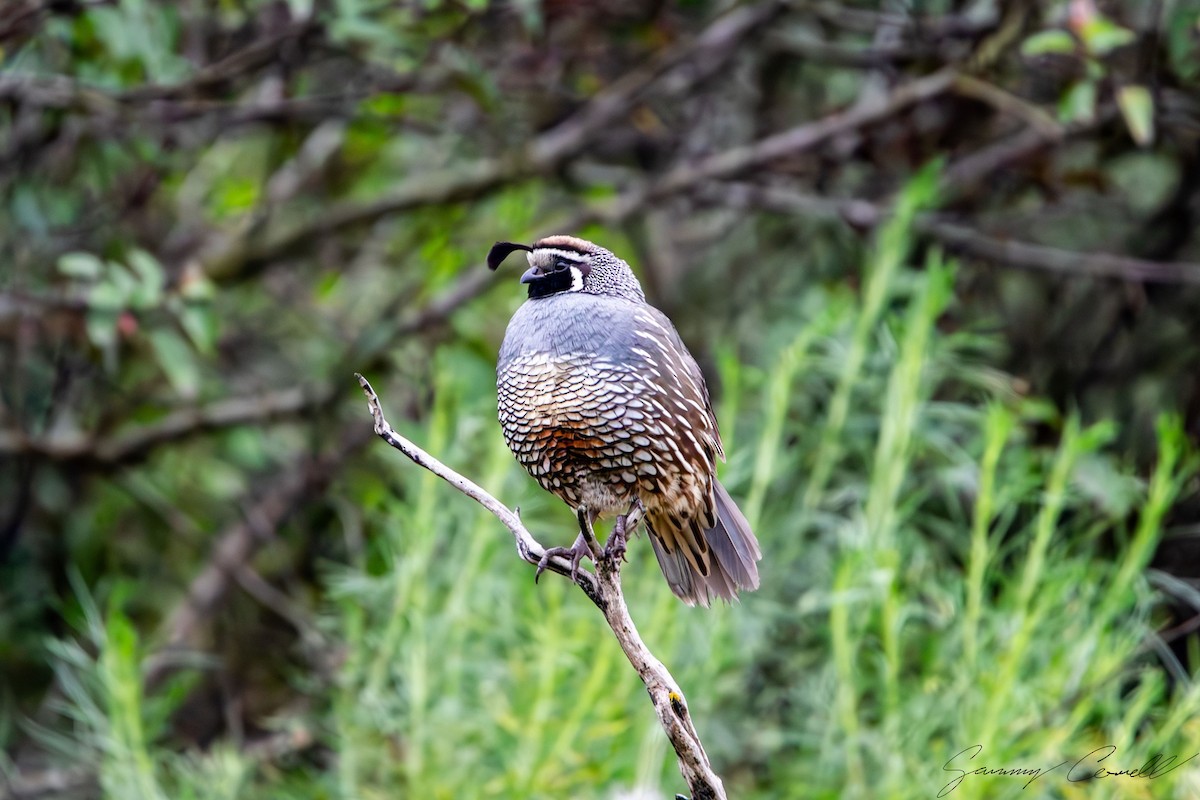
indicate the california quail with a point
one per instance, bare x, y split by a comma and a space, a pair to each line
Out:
602, 404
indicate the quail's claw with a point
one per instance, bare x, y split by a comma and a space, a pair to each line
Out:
614, 548
544, 561
575, 552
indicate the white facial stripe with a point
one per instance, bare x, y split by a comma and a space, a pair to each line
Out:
576, 279
569, 255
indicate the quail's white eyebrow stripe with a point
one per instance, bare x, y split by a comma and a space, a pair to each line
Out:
570, 255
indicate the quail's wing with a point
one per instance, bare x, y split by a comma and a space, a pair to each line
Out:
683, 390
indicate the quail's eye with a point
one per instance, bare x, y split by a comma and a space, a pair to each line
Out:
562, 265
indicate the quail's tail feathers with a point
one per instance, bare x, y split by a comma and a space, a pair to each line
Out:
728, 563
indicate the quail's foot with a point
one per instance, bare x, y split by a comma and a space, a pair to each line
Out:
614, 548
576, 552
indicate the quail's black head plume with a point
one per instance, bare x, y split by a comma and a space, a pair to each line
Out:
604, 406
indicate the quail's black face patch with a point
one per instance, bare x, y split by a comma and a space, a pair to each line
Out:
555, 269
543, 284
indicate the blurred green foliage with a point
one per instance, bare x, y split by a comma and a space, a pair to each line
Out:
963, 468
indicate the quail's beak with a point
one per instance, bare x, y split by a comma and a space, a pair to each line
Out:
532, 274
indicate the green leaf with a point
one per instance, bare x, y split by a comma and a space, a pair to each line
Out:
196, 286
1146, 178
150, 278
102, 327
1101, 35
122, 281
106, 297
235, 195
105, 302
1182, 29
1137, 107
176, 360
1046, 42
327, 285
84, 266
1078, 104
101, 322
200, 324
385, 104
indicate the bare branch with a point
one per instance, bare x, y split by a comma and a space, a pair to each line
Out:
22, 20
603, 589
1027, 255
969, 171
15, 304
934, 25
812, 50
136, 443
961, 238
56, 91
257, 54
237, 545
528, 548
713, 45
738, 160
240, 254
1008, 103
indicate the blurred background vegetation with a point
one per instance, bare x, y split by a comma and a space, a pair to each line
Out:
939, 259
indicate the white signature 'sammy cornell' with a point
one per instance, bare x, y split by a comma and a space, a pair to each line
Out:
1157, 766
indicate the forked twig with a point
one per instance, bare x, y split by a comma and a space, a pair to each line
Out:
604, 589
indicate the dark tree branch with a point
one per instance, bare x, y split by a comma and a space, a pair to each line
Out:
863, 20
61, 92
1026, 255
57, 92
714, 45
960, 238
21, 304
604, 590
237, 545
21, 21
240, 255
968, 172
1008, 103
134, 444
257, 54
746, 158
811, 50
